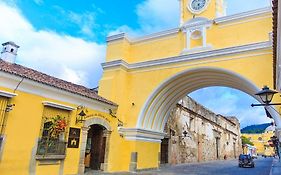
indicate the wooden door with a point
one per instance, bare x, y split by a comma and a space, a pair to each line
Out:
97, 147
164, 151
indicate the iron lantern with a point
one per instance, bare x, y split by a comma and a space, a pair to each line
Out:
266, 94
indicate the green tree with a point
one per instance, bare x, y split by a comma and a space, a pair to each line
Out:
245, 140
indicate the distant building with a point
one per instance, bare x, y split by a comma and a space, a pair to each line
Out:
196, 134
262, 141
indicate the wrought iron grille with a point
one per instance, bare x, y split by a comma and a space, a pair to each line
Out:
51, 147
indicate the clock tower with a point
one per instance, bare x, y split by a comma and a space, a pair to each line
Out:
209, 9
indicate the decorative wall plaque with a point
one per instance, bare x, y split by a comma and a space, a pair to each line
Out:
73, 138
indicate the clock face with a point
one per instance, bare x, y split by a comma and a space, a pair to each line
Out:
197, 6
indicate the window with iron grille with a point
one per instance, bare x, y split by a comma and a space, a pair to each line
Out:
53, 132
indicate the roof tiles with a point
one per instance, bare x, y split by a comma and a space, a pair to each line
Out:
18, 70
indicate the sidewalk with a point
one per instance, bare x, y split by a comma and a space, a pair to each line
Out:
276, 167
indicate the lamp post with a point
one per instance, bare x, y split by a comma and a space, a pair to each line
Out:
266, 96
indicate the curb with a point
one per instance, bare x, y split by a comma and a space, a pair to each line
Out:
275, 161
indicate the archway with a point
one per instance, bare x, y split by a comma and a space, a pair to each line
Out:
94, 145
155, 111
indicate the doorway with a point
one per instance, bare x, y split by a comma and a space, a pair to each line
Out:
164, 151
217, 148
95, 147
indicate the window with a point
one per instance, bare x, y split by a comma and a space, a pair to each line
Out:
53, 132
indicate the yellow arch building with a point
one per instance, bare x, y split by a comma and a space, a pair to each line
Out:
147, 76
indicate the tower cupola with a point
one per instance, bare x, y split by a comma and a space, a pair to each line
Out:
9, 52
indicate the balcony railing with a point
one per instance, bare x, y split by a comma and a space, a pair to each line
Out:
51, 148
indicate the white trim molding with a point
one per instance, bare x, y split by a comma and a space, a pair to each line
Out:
189, 57
139, 134
197, 49
58, 106
244, 15
7, 94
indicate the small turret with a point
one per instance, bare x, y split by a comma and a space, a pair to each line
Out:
9, 52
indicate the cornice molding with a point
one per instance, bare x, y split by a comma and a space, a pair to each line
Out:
157, 35
58, 106
7, 94
116, 37
243, 15
196, 22
141, 134
189, 57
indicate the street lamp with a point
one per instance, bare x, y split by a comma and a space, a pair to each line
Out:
266, 96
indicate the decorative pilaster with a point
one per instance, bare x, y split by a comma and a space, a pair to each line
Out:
84, 135
105, 164
134, 162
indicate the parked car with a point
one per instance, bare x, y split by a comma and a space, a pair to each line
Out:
246, 160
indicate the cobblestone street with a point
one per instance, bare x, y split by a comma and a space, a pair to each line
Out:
228, 167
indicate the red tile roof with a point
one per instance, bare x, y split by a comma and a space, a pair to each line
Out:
275, 24
40, 77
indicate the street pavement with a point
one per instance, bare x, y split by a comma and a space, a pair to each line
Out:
226, 167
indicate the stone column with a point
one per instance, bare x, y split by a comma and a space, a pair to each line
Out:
84, 135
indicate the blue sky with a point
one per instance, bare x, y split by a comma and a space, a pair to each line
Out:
67, 38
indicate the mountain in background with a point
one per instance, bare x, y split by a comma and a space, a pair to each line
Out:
255, 129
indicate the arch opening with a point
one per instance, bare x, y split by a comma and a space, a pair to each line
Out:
156, 110
94, 145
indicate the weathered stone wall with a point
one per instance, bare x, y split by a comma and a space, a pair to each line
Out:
195, 134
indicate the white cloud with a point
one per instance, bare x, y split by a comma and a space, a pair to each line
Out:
153, 16
70, 58
156, 15
86, 21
